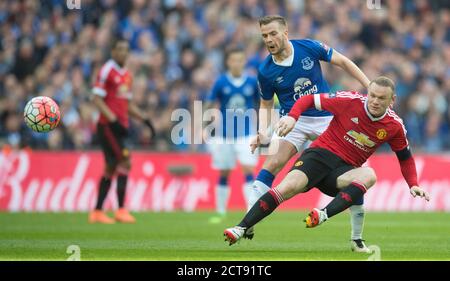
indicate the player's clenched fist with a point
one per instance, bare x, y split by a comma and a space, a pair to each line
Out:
285, 125
258, 140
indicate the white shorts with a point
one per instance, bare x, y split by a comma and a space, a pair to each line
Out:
306, 129
224, 154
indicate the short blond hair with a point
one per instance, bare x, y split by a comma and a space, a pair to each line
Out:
385, 82
268, 19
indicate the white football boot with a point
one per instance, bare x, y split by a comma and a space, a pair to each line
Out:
233, 234
358, 245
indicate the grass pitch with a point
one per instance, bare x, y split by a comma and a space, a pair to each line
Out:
189, 236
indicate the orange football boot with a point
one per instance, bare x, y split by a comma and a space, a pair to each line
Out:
98, 216
122, 215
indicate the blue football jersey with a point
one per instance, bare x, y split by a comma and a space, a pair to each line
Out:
296, 78
237, 97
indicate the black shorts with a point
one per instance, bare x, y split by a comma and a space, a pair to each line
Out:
113, 145
322, 167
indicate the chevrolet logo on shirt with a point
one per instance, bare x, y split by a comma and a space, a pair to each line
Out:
361, 139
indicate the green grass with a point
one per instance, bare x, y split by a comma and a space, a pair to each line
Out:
189, 236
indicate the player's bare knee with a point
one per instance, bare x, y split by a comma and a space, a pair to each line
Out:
369, 177
294, 183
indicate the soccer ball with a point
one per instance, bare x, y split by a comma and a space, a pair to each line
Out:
41, 114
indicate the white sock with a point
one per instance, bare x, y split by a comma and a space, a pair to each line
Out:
222, 195
357, 221
247, 190
258, 190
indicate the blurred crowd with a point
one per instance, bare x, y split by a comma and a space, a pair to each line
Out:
177, 49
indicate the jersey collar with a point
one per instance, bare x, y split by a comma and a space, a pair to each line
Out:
370, 115
236, 81
287, 61
117, 67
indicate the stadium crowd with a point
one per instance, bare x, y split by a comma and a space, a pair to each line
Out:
177, 50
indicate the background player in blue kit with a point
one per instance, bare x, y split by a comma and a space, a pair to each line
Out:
236, 95
292, 70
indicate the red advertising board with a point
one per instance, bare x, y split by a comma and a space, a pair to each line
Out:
67, 181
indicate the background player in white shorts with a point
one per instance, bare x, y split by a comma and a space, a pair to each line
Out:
236, 96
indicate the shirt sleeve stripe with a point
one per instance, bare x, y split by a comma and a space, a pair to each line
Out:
317, 102
99, 92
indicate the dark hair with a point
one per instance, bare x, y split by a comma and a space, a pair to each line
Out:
385, 82
268, 19
232, 50
116, 41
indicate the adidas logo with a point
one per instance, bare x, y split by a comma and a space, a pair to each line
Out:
355, 120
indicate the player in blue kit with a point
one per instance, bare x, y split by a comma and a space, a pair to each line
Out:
236, 95
292, 70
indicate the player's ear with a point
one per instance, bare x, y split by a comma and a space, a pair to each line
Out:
393, 100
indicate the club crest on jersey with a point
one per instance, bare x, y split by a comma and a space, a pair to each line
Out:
361, 138
381, 134
307, 63
298, 163
124, 92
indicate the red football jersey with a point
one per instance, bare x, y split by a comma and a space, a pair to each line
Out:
353, 133
113, 83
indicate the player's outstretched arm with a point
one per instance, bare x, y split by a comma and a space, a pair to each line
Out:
350, 67
287, 123
408, 168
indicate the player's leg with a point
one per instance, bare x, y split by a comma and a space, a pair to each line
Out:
98, 216
306, 173
123, 169
357, 212
223, 160
294, 182
357, 215
104, 185
272, 165
329, 187
280, 151
352, 185
248, 163
222, 196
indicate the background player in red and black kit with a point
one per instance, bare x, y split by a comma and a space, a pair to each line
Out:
333, 162
112, 96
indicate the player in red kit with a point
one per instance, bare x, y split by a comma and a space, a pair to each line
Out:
112, 96
333, 162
